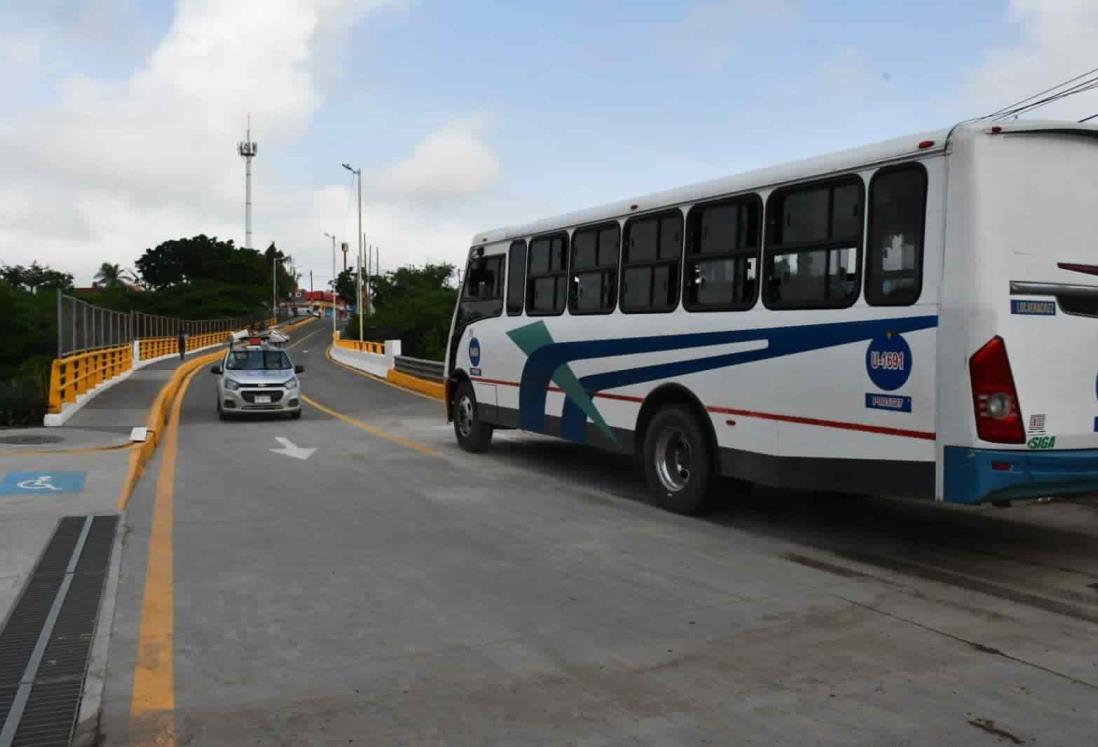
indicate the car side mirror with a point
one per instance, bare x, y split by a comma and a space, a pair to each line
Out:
299, 369
216, 370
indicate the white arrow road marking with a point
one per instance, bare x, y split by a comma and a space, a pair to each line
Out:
289, 449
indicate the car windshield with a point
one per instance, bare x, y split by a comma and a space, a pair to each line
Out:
257, 360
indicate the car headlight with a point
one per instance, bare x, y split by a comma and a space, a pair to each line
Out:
231, 385
293, 383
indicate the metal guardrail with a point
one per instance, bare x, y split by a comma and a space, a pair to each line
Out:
424, 369
83, 326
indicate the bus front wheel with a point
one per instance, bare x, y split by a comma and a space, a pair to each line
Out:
472, 433
678, 460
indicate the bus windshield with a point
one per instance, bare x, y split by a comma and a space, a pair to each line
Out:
257, 360
482, 293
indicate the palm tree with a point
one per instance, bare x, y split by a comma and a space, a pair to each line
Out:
110, 276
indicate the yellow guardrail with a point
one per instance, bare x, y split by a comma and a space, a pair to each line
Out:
362, 346
73, 375
156, 347
434, 389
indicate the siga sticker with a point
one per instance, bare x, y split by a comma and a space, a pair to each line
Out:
474, 351
888, 361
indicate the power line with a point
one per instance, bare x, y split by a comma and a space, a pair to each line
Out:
1087, 119
1017, 104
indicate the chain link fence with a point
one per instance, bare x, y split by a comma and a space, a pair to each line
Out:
82, 326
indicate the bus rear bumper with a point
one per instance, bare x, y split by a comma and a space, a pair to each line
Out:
978, 475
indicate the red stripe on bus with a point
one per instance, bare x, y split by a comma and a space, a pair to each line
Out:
865, 427
839, 424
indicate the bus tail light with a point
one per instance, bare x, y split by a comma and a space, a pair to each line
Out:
994, 398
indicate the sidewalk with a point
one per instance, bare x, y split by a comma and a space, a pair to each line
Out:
126, 404
79, 469
94, 445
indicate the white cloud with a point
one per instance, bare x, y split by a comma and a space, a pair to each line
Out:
452, 162
1055, 41
707, 36
112, 166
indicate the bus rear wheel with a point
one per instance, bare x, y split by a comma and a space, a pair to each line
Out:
472, 433
678, 460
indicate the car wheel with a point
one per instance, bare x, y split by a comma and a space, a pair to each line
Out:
296, 415
472, 434
678, 460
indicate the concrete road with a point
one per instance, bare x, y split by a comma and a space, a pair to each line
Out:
392, 590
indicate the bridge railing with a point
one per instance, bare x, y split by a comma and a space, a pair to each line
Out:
96, 345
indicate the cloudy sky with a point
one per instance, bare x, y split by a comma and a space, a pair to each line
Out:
121, 118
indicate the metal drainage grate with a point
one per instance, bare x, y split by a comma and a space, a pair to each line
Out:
45, 643
29, 439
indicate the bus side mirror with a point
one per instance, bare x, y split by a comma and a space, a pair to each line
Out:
216, 370
299, 369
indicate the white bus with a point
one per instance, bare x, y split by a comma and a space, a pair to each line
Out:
913, 318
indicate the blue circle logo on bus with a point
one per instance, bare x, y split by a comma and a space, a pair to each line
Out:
474, 351
888, 361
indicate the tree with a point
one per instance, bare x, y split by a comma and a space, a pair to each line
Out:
414, 304
110, 276
345, 286
35, 277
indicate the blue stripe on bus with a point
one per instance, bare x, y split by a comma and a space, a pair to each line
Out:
783, 341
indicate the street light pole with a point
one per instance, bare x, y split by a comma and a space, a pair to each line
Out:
333, 238
358, 299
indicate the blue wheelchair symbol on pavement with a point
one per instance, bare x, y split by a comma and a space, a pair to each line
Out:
42, 483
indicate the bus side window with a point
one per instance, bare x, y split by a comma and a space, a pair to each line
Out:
482, 294
594, 269
814, 237
547, 275
722, 255
516, 277
650, 258
897, 218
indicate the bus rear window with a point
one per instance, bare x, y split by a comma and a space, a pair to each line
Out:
897, 215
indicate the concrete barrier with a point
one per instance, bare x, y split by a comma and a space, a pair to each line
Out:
386, 362
363, 356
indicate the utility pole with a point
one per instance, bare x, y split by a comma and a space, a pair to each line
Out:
333, 238
358, 175
247, 149
358, 292
310, 281
369, 264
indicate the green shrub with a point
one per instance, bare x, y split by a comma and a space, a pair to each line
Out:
25, 394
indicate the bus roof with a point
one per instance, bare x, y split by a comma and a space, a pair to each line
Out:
841, 161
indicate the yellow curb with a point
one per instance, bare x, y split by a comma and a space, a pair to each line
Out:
158, 415
433, 389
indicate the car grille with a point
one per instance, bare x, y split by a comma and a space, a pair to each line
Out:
274, 394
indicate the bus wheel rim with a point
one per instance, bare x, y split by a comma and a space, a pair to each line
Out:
465, 416
673, 459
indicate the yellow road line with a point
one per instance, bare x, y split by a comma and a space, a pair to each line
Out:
371, 429
306, 337
378, 379
153, 700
